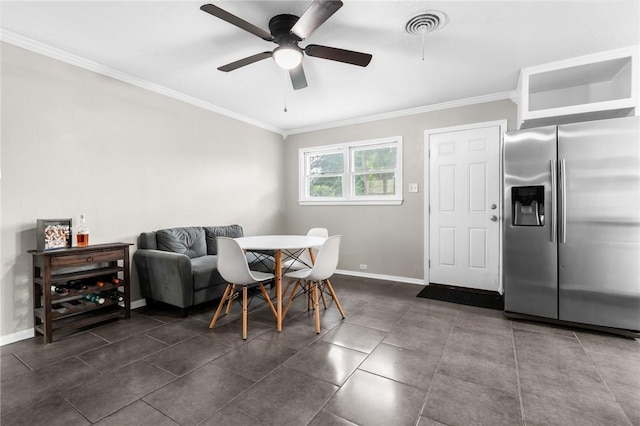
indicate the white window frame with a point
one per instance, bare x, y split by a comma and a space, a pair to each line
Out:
348, 175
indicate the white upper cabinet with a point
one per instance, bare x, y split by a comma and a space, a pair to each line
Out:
603, 84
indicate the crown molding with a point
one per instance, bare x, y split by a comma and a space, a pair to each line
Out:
63, 56
511, 95
69, 58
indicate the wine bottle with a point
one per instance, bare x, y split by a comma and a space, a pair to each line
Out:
76, 285
114, 295
114, 281
96, 298
59, 289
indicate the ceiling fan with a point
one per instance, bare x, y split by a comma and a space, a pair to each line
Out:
287, 31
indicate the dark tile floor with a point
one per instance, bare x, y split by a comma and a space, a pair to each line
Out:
395, 360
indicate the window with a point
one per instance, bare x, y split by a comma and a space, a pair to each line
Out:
367, 172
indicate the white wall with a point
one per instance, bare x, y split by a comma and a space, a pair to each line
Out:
132, 160
388, 239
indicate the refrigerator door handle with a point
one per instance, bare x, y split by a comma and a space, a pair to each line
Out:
563, 202
554, 201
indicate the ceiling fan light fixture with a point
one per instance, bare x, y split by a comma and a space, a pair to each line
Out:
287, 57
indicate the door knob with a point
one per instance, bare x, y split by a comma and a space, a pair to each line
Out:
494, 218
493, 206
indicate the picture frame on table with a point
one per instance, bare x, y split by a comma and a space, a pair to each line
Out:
53, 234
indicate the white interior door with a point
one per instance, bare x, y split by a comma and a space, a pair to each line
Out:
464, 208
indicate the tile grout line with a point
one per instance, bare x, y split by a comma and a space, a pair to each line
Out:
603, 380
229, 403
74, 407
515, 358
150, 406
426, 398
358, 367
342, 321
25, 364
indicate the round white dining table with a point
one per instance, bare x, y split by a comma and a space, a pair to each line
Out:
278, 243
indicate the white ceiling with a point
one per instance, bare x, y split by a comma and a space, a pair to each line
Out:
175, 45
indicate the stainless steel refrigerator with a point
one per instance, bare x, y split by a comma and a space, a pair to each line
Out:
572, 222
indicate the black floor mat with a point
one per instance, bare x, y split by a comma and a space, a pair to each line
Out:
463, 296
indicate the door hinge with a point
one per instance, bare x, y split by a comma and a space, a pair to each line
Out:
429, 262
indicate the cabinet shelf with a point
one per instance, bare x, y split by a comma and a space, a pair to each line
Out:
588, 87
70, 307
80, 275
74, 294
82, 319
53, 312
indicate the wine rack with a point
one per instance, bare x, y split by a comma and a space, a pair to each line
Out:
78, 273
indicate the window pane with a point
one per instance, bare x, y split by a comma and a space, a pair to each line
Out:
375, 184
367, 160
320, 164
325, 186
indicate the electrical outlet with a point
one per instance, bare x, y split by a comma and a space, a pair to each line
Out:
363, 267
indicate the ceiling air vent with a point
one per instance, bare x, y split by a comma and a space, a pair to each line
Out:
427, 22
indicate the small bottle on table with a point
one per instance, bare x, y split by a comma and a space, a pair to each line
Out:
82, 236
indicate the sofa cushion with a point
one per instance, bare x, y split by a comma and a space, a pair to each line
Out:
189, 240
212, 232
205, 272
147, 240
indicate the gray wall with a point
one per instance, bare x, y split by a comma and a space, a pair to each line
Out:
131, 160
388, 239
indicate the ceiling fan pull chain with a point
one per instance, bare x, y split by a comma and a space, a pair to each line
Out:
285, 90
424, 23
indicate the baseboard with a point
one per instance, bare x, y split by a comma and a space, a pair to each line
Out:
29, 333
138, 303
463, 296
417, 281
632, 334
16, 337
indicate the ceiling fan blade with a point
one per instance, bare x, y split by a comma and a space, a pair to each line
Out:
340, 55
298, 79
246, 61
314, 16
234, 20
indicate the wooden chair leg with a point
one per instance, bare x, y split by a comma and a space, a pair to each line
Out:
233, 290
220, 305
324, 300
309, 292
286, 289
316, 307
268, 299
335, 298
244, 312
291, 297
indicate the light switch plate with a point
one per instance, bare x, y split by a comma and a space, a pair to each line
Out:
413, 187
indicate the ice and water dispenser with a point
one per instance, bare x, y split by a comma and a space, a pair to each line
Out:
527, 204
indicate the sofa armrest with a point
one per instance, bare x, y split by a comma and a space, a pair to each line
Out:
165, 276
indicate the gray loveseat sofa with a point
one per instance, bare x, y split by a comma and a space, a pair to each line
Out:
178, 266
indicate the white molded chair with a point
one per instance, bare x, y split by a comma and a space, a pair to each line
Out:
233, 267
304, 260
313, 281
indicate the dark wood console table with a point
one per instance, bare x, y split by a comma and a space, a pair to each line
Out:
79, 274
